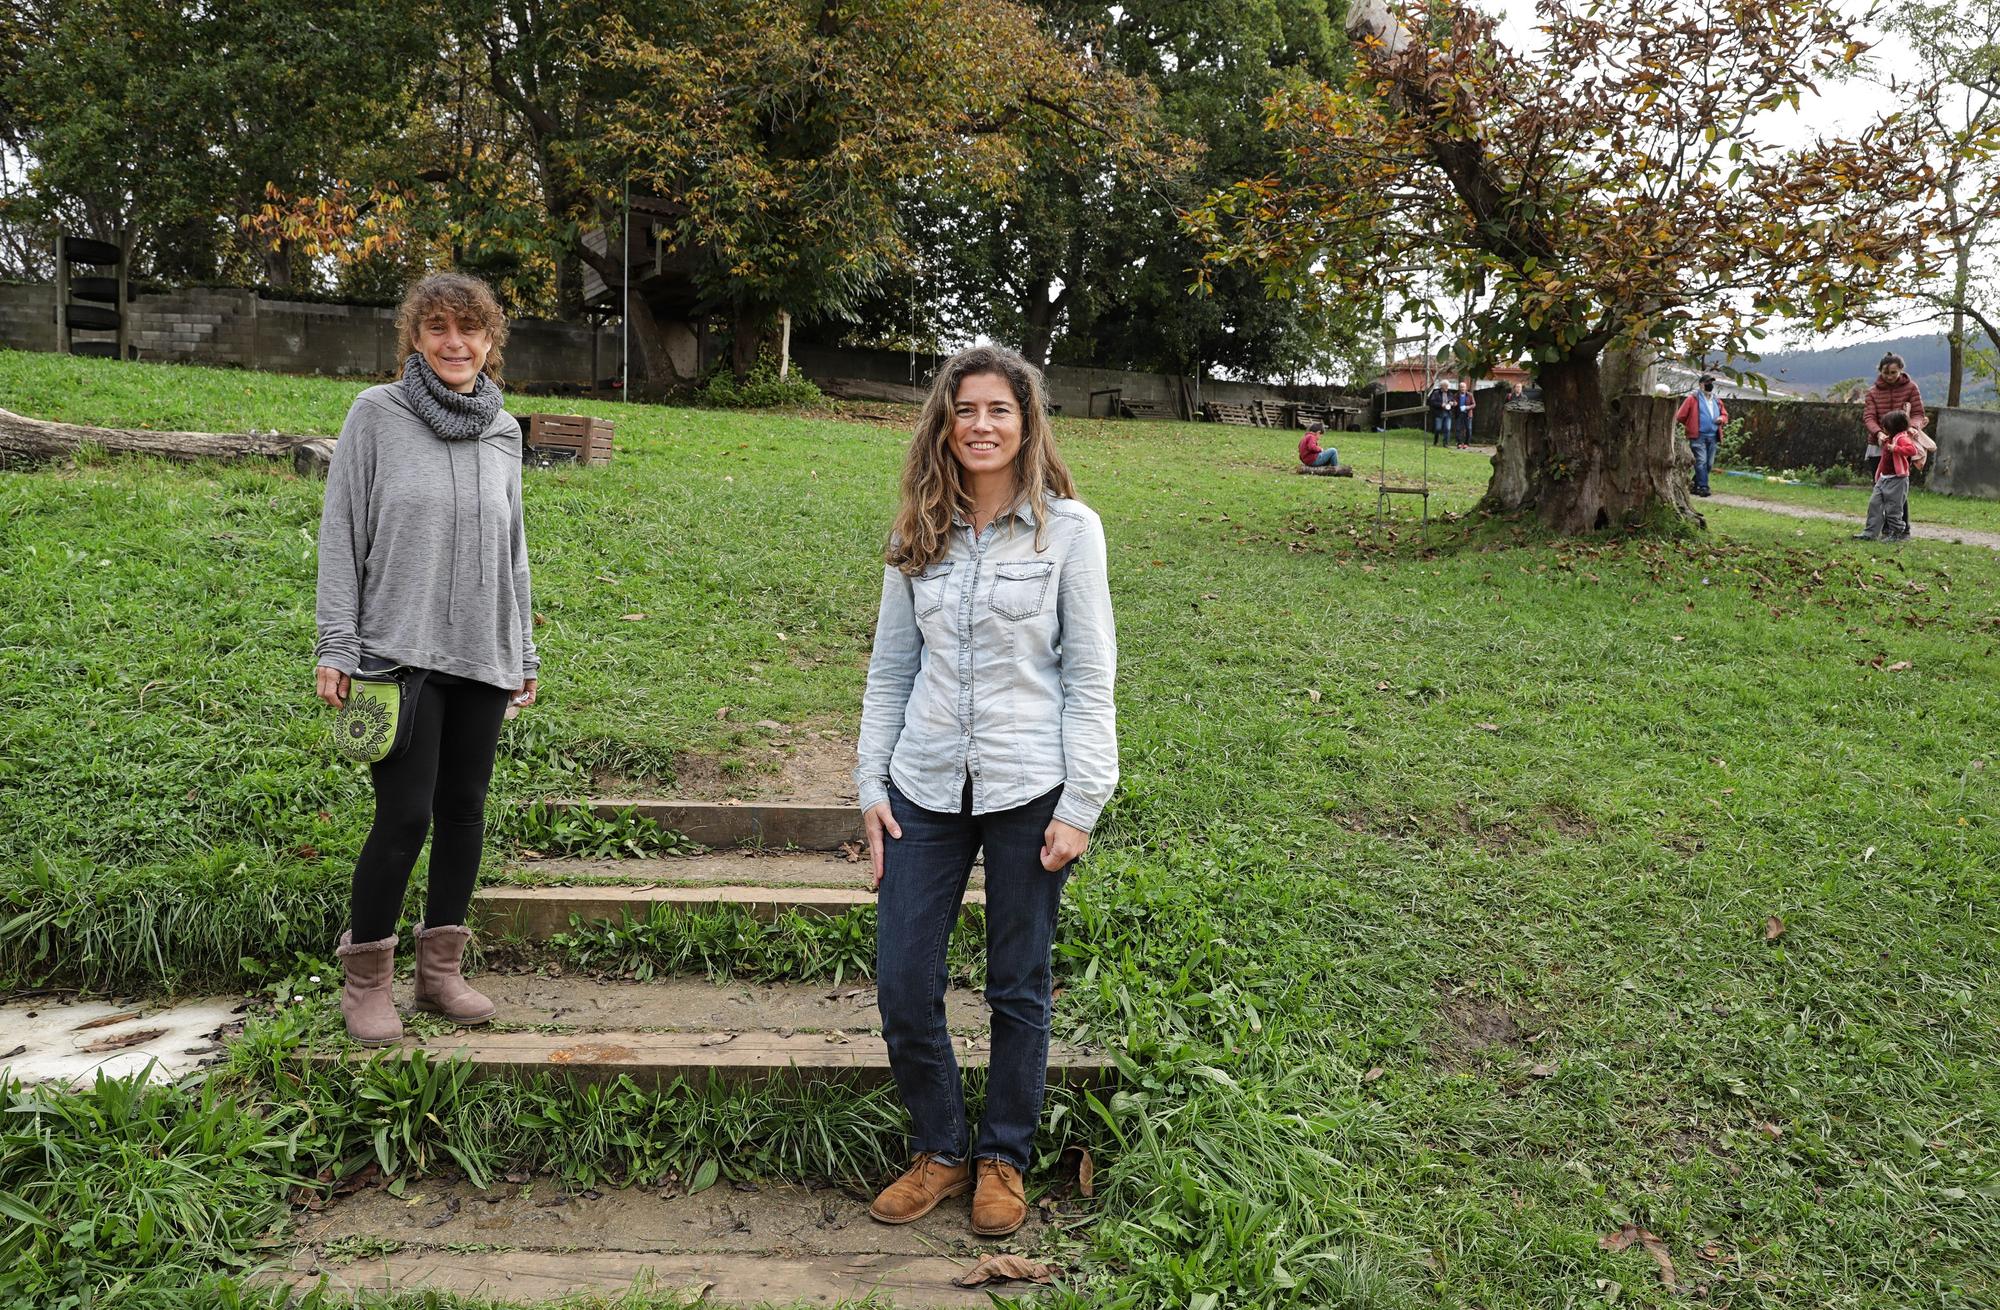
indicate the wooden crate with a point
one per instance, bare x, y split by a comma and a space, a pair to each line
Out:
1222, 412
570, 436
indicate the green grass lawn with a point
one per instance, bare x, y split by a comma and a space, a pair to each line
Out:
1463, 901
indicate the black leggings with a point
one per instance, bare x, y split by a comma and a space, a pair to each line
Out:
437, 785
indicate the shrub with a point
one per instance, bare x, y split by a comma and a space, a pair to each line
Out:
762, 388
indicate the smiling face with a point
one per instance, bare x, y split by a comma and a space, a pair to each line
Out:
1891, 371
455, 349
986, 425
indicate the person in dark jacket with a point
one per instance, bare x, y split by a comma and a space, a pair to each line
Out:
1437, 403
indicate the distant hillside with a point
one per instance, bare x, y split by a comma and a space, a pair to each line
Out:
1927, 356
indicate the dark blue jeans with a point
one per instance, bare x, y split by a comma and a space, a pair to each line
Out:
923, 883
1704, 459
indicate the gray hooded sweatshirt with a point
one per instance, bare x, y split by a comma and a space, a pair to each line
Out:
423, 558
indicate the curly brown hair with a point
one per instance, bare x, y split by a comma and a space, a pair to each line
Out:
467, 299
932, 483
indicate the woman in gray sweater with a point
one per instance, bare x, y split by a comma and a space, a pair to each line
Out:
423, 563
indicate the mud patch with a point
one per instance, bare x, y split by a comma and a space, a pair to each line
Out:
771, 762
1571, 823
1471, 1029
1500, 837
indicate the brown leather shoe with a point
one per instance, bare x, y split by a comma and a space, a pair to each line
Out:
1001, 1204
919, 1190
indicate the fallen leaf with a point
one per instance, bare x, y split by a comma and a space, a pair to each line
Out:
107, 1021
1624, 1238
852, 850
1770, 1130
1004, 1269
1373, 1074
1680, 638
1381, 686
1312, 694
1487, 727
722, 713
719, 1039
541, 619
1086, 1169
1898, 666
1209, 595
1868, 855
631, 618
1774, 928
1542, 1071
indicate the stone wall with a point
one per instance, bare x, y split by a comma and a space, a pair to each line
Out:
233, 327
892, 375
1967, 462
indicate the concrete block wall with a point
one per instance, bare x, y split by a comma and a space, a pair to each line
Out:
233, 327
1967, 462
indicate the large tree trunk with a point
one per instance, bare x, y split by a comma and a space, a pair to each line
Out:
1593, 463
26, 440
749, 322
654, 357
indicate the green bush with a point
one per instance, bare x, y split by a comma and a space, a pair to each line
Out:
762, 388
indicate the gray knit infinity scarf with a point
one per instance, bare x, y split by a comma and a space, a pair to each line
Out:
453, 415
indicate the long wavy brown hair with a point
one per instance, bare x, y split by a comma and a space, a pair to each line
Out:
933, 483
458, 296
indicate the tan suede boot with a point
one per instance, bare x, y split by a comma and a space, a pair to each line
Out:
1001, 1204
919, 1190
365, 1003
441, 988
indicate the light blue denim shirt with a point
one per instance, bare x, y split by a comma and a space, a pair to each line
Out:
997, 661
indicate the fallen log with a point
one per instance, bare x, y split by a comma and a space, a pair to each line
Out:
26, 440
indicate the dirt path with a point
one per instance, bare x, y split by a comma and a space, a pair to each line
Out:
1928, 531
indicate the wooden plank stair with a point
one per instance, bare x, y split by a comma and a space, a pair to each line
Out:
685, 1030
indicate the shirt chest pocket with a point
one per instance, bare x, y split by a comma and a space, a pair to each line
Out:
1020, 590
927, 589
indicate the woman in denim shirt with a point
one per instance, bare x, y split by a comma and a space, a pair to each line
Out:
988, 723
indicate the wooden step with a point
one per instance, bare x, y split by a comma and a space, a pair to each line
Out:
755, 1243
769, 824
538, 913
906, 1282
656, 1059
581, 1003
717, 869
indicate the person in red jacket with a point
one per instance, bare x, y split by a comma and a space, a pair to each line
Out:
1888, 507
1310, 453
1894, 390
1703, 415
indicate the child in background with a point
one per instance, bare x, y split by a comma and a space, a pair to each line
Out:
1889, 507
1310, 453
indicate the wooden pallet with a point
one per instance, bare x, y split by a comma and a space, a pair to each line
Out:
1149, 409
1242, 416
570, 437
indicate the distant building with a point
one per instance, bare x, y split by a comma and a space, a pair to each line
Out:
1421, 372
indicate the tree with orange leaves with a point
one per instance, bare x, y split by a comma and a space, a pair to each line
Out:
1615, 187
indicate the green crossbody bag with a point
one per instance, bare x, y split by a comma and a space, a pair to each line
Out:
374, 725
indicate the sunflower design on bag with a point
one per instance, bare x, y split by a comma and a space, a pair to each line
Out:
362, 730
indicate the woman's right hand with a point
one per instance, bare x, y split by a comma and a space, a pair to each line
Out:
331, 686
880, 826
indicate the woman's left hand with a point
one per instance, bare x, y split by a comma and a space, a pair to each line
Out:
526, 695
1062, 844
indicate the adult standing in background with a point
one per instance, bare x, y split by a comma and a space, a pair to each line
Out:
987, 723
423, 567
1702, 415
1894, 389
1466, 404
1437, 409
